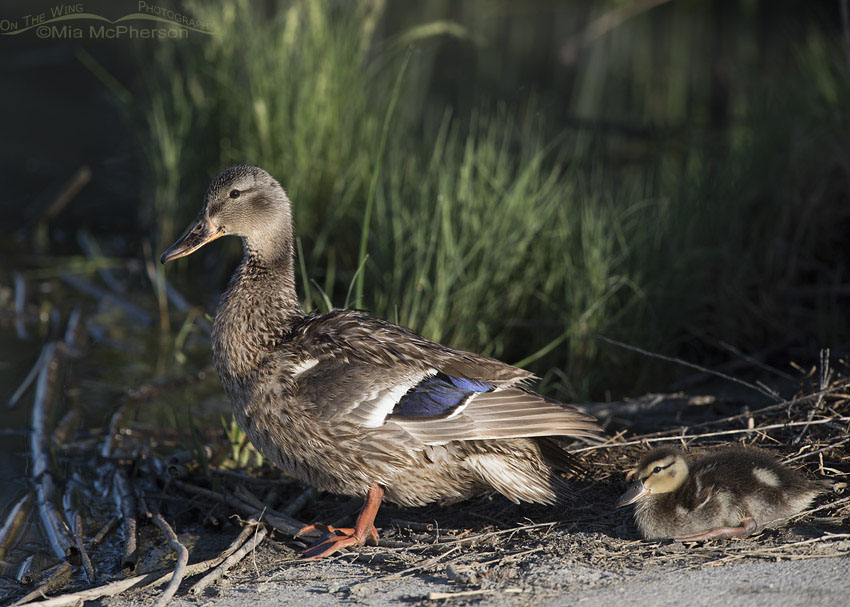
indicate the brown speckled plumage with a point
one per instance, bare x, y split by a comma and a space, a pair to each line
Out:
315, 392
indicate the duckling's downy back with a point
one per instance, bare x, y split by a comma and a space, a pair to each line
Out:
767, 490
727, 488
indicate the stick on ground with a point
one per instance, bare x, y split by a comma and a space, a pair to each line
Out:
126, 503
36, 369
78, 535
20, 301
56, 531
15, 524
182, 560
260, 533
52, 580
156, 578
279, 521
293, 507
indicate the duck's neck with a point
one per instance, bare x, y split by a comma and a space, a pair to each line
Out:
256, 311
271, 267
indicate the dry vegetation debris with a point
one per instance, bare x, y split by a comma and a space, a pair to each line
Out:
488, 546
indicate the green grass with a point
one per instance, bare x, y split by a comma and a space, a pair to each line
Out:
487, 229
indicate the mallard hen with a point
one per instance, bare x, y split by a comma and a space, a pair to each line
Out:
729, 493
358, 406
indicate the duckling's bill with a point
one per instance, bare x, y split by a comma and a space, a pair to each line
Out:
636, 491
201, 232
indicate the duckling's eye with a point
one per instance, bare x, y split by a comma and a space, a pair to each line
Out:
656, 470
234, 193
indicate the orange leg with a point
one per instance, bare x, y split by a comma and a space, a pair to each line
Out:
748, 527
363, 529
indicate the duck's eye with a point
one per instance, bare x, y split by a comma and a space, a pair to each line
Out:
656, 470
234, 193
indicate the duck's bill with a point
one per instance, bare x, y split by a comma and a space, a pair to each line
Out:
200, 233
635, 491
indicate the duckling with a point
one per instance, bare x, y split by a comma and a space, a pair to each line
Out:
359, 406
730, 493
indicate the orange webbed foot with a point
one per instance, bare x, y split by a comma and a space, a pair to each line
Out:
339, 539
363, 530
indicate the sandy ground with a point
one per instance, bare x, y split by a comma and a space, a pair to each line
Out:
558, 572
488, 551
789, 583
803, 583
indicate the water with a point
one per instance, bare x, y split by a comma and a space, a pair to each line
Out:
120, 352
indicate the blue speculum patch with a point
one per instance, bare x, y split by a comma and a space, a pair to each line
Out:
438, 396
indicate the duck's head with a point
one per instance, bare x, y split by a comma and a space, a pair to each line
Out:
662, 470
241, 201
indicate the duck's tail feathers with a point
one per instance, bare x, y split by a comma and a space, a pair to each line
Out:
519, 480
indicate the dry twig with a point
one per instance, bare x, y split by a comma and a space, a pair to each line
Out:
182, 560
279, 521
78, 535
56, 530
20, 301
259, 534
293, 507
682, 435
148, 580
36, 369
15, 524
58, 575
126, 502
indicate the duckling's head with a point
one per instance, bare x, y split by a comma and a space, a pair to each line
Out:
662, 470
242, 201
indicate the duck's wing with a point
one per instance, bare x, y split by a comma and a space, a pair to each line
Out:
352, 336
379, 375
443, 408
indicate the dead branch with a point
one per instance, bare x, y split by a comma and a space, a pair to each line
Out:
138, 314
114, 421
24, 573
248, 546
182, 560
413, 525
293, 507
254, 480
151, 390
59, 574
78, 535
70, 189
247, 530
821, 450
279, 521
28, 380
92, 250
15, 524
20, 301
149, 580
181, 464
126, 502
683, 436
55, 529
47, 353
109, 526
64, 428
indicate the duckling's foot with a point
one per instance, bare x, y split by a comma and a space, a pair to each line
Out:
747, 527
364, 528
